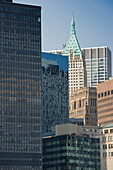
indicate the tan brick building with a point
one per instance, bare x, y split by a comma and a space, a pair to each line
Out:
105, 102
83, 104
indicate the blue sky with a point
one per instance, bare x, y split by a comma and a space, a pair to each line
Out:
93, 22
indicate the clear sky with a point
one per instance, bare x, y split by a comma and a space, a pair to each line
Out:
93, 22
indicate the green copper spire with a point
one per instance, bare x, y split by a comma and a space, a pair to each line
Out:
72, 43
72, 24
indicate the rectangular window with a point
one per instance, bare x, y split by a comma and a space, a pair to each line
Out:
111, 130
105, 131
104, 146
74, 105
101, 94
111, 91
104, 154
109, 138
108, 92
105, 94
98, 95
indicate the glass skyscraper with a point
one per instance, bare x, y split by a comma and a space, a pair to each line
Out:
20, 87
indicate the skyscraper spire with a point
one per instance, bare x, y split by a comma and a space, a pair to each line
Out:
72, 43
73, 24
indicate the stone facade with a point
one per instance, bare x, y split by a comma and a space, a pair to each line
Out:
54, 91
83, 104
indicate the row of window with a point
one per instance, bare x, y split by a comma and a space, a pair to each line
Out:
110, 146
109, 138
105, 93
106, 131
105, 154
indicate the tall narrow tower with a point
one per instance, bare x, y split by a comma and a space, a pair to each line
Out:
77, 76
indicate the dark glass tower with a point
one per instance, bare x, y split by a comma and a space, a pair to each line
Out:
20, 87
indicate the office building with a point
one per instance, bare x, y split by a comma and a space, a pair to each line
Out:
71, 152
77, 73
98, 64
105, 102
20, 87
83, 104
54, 91
106, 147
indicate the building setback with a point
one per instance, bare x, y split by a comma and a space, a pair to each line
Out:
71, 152
20, 87
98, 64
105, 102
83, 104
54, 91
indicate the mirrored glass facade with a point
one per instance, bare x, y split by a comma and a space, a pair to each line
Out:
54, 92
20, 87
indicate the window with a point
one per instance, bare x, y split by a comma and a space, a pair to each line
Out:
111, 91
110, 146
104, 146
111, 153
111, 130
109, 138
101, 94
98, 95
105, 131
103, 139
108, 92
105, 94
74, 105
104, 154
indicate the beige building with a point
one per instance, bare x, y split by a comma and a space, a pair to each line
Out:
106, 147
88, 131
83, 104
68, 129
76, 72
105, 102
